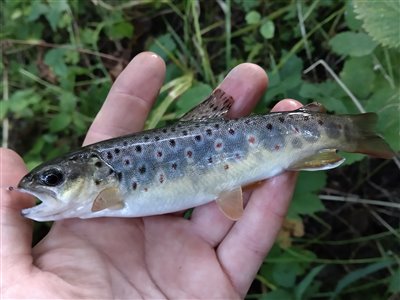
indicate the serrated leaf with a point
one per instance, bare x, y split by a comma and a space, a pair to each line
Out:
267, 29
380, 20
305, 197
54, 58
350, 17
352, 43
253, 17
59, 122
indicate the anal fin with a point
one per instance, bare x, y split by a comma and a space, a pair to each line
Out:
107, 198
324, 160
231, 203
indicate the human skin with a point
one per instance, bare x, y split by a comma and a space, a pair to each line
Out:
167, 256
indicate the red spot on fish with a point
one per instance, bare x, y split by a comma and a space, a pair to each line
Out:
159, 154
161, 178
226, 167
251, 139
277, 147
189, 154
218, 145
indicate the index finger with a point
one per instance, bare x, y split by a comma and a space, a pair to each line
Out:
130, 99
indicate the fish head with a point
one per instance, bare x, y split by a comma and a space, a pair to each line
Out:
66, 186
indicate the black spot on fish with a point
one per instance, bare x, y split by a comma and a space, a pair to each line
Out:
231, 131
184, 132
320, 122
109, 155
98, 164
209, 132
174, 166
198, 138
306, 118
281, 119
125, 143
173, 129
215, 108
97, 182
157, 138
116, 150
247, 122
210, 160
164, 130
142, 169
226, 167
216, 126
161, 178
138, 148
110, 171
269, 126
119, 176
146, 138
197, 125
189, 154
134, 185
159, 153
127, 162
172, 143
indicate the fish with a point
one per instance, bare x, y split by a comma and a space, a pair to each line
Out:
203, 157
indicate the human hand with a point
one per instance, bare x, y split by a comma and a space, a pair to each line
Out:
163, 256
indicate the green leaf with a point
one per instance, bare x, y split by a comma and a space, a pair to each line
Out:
284, 274
253, 17
267, 29
59, 122
163, 45
37, 9
56, 8
358, 274
278, 294
121, 30
67, 102
380, 20
192, 97
350, 17
305, 198
394, 283
352, 43
306, 282
358, 75
54, 58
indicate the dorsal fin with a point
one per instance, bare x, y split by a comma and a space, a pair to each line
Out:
215, 106
313, 107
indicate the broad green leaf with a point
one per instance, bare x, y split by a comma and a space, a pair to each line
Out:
60, 122
121, 30
193, 96
284, 274
67, 102
380, 20
305, 198
163, 45
56, 8
358, 75
358, 274
352, 43
278, 294
267, 29
394, 283
350, 17
54, 58
306, 282
253, 17
37, 9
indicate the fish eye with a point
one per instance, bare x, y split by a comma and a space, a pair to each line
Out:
52, 177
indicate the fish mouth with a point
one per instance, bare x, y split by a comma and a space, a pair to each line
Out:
50, 208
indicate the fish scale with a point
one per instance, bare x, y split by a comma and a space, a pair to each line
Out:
195, 161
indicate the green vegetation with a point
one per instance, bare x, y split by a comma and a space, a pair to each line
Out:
59, 59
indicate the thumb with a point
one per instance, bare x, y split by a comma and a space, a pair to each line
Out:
16, 231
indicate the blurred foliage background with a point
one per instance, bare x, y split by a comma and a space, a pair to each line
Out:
341, 236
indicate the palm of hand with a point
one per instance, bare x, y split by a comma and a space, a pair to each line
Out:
167, 256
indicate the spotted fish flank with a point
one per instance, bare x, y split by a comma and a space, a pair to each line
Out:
203, 157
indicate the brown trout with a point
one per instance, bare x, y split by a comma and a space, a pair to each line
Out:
201, 158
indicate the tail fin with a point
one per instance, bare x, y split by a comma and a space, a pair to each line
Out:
367, 141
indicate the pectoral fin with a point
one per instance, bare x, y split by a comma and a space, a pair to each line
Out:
215, 106
324, 160
231, 203
107, 198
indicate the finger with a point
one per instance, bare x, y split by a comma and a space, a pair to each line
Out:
16, 230
245, 83
130, 99
245, 246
